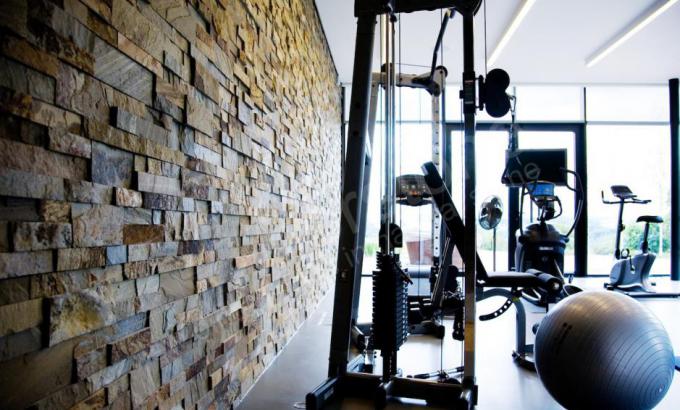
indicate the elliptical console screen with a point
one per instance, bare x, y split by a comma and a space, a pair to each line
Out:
542, 189
530, 165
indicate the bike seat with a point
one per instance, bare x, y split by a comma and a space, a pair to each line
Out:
651, 219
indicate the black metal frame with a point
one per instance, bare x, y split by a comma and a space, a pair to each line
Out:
581, 231
342, 376
674, 91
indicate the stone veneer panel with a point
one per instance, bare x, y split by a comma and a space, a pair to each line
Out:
169, 186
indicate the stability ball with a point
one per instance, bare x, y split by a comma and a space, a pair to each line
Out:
604, 350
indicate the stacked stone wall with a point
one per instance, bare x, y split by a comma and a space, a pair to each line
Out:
169, 196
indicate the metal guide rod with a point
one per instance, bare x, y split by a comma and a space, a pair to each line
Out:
387, 38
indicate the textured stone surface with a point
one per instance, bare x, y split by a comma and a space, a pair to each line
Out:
144, 382
14, 76
90, 362
31, 236
19, 344
87, 192
78, 313
178, 284
133, 234
121, 72
69, 143
20, 316
198, 116
128, 197
26, 185
55, 211
23, 378
158, 184
111, 166
116, 255
129, 345
25, 263
80, 258
138, 126
168, 171
97, 225
29, 158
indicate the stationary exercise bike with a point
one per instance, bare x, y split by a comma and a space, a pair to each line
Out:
540, 246
630, 273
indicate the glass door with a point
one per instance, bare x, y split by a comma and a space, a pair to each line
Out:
491, 144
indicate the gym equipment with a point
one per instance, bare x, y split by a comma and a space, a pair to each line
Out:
630, 273
490, 216
345, 377
425, 313
493, 96
540, 245
410, 190
604, 350
489, 284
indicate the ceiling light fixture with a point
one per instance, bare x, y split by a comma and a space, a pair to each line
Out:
521, 13
641, 22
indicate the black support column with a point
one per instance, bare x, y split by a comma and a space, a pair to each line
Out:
348, 275
581, 231
470, 213
675, 178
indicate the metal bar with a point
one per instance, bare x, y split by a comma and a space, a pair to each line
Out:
514, 211
450, 216
619, 230
447, 148
387, 216
439, 394
447, 171
470, 254
348, 279
368, 166
495, 126
436, 156
674, 87
406, 6
343, 131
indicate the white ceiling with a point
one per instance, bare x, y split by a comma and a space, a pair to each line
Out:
550, 46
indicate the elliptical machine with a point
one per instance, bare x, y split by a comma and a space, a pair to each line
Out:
630, 273
540, 246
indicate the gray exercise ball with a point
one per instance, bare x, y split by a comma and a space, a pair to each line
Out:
604, 350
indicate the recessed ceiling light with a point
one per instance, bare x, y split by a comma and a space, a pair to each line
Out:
522, 12
652, 13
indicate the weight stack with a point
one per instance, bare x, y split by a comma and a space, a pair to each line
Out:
390, 304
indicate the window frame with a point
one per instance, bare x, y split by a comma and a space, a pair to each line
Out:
580, 160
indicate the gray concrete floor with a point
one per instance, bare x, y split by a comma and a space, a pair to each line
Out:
302, 365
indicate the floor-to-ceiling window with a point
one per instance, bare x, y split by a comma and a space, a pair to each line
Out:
626, 141
628, 144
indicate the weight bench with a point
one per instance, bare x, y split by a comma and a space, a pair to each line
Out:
489, 284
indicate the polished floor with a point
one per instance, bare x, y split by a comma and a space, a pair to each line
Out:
502, 385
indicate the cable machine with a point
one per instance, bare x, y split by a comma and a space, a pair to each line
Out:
355, 377
407, 192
